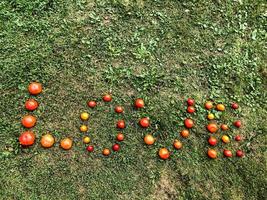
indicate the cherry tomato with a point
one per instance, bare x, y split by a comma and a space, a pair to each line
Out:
31, 104
190, 109
116, 147
227, 153
164, 153
66, 143
27, 138
28, 121
119, 109
212, 153
185, 133
91, 104
149, 139
234, 106
212, 141
106, 152
120, 137
35, 88
224, 127
220, 107
107, 98
211, 116
238, 138
47, 140
144, 122
208, 105
240, 153
177, 144
189, 123
84, 116
90, 148
225, 139
139, 103
237, 123
212, 128
190, 102
121, 124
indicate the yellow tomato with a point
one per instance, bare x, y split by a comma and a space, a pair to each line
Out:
84, 116
83, 128
210, 116
225, 139
86, 140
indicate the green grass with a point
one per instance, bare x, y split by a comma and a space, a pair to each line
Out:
162, 51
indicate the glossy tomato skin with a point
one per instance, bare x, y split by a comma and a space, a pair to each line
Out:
212, 128
144, 122
31, 104
164, 153
190, 109
212, 153
190, 102
119, 109
28, 121
239, 153
237, 124
139, 103
208, 105
91, 104
35, 88
224, 127
116, 147
238, 138
106, 152
107, 98
212, 141
177, 144
149, 139
220, 107
27, 138
227, 153
121, 124
189, 123
90, 148
47, 140
66, 143
234, 106
185, 133
120, 137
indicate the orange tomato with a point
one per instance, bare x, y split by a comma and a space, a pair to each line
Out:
83, 128
31, 104
164, 153
106, 152
185, 133
27, 138
220, 107
212, 153
139, 103
47, 140
66, 143
149, 139
35, 88
177, 144
28, 121
212, 128
120, 137
224, 127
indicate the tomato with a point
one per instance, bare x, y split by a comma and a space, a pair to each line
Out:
83, 128
144, 122
237, 123
190, 102
47, 140
35, 88
90, 148
225, 139
91, 104
220, 107
238, 138
84, 116
234, 106
121, 124
120, 137
27, 138
86, 140
116, 147
227, 153
119, 109
184, 133
189, 123
208, 105
177, 144
106, 152
190, 109
212, 128
210, 116
31, 104
164, 153
212, 153
212, 141
139, 103
149, 139
239, 153
28, 121
224, 127
66, 143
107, 98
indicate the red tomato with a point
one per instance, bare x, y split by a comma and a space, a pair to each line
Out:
190, 102
90, 148
239, 153
119, 109
120, 137
121, 124
107, 98
212, 141
27, 138
31, 104
164, 153
227, 153
190, 109
144, 122
91, 104
189, 123
237, 123
238, 138
212, 153
139, 103
208, 105
35, 88
28, 121
212, 128
116, 147
235, 106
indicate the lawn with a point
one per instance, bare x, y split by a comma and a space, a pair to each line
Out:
161, 51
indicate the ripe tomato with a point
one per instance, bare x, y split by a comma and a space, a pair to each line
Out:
237, 123
83, 128
90, 148
121, 124
227, 153
190, 109
86, 140
149, 139
28, 121
31, 104
225, 139
119, 109
189, 123
120, 137
84, 116
139, 103
212, 141
224, 127
47, 140
184, 133
177, 144
239, 153
210, 116
91, 104
212, 153
35, 88
190, 102
238, 138
66, 143
164, 153
235, 106
107, 98
106, 152
212, 128
27, 138
220, 107
144, 122
208, 105
116, 147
